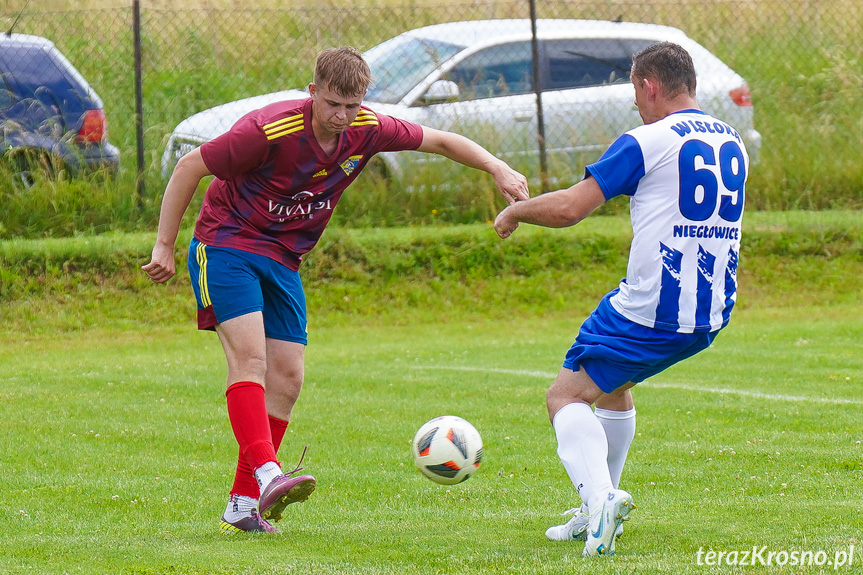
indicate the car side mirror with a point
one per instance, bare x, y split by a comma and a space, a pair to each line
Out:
441, 91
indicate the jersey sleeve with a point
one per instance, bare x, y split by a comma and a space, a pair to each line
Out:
397, 135
239, 150
619, 169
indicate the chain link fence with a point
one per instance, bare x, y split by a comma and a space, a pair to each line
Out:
801, 60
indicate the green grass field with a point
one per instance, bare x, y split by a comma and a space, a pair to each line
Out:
117, 453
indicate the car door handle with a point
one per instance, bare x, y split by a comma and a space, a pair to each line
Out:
526, 117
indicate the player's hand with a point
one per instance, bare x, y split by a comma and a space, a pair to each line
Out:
504, 223
161, 267
511, 184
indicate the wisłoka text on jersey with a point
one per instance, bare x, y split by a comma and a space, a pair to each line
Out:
683, 128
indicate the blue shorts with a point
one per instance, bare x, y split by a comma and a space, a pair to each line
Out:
614, 350
229, 283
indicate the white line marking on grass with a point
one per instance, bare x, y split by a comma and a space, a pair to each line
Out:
544, 374
649, 384
758, 394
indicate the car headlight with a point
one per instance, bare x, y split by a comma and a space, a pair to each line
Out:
182, 147
177, 148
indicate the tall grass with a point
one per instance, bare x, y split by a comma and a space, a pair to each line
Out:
801, 60
406, 274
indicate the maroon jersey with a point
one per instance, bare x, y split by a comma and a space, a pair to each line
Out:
275, 188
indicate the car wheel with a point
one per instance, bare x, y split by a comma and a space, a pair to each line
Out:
29, 166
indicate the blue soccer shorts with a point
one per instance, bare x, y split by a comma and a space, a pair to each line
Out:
613, 350
229, 283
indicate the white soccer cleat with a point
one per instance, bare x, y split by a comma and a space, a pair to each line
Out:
605, 523
617, 533
573, 530
576, 528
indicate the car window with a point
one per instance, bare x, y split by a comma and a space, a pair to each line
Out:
589, 61
398, 65
501, 70
45, 84
32, 67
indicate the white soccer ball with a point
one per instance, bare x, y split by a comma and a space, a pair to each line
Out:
447, 449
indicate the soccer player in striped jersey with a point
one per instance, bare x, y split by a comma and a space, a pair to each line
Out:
279, 173
685, 174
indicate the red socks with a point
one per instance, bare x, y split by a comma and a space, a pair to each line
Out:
258, 434
278, 427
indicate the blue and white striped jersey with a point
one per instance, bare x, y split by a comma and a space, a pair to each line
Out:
686, 177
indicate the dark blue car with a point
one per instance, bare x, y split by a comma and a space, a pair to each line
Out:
50, 117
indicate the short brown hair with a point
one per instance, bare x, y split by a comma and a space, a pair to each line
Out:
670, 65
344, 71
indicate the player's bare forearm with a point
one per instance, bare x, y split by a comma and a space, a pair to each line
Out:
558, 209
540, 211
511, 184
178, 194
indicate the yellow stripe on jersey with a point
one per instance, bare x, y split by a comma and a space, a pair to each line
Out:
365, 118
284, 127
285, 132
292, 119
201, 256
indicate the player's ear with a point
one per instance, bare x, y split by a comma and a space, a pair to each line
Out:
312, 88
651, 88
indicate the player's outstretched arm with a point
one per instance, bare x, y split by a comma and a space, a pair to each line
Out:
511, 184
558, 209
178, 193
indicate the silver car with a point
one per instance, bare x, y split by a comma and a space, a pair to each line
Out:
477, 78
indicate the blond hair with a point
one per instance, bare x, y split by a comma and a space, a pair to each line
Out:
344, 71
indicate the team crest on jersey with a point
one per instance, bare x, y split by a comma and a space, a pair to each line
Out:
320, 173
349, 165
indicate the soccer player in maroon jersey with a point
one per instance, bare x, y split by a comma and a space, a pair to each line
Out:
279, 172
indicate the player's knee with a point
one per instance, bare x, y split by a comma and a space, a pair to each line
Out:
556, 397
255, 365
618, 400
288, 394
285, 385
246, 368
571, 387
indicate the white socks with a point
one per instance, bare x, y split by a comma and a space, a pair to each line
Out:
583, 449
619, 429
593, 447
266, 473
239, 507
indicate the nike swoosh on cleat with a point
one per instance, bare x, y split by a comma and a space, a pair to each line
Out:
599, 529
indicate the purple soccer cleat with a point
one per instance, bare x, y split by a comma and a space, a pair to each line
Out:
281, 492
251, 524
284, 490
